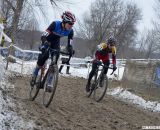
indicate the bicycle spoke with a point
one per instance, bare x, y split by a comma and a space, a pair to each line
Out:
100, 90
34, 90
50, 86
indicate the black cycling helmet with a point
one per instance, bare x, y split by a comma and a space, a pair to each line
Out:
111, 40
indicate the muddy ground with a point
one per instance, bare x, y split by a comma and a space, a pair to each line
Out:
72, 110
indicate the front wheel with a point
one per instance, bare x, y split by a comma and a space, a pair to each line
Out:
92, 85
101, 88
50, 85
34, 88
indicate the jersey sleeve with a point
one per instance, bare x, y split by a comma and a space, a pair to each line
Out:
48, 32
113, 49
51, 27
70, 37
97, 55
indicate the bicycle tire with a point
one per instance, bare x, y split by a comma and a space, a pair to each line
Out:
98, 99
55, 76
92, 85
36, 87
89, 93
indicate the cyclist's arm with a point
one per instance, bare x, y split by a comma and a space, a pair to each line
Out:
48, 32
70, 41
97, 55
114, 55
70, 38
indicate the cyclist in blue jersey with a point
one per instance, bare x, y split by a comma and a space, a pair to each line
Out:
51, 38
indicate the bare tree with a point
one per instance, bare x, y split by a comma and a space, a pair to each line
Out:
150, 41
126, 31
20, 12
32, 26
111, 17
157, 8
17, 7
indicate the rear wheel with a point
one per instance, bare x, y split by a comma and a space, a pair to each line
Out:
101, 88
50, 85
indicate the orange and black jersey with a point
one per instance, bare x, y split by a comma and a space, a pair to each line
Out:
104, 54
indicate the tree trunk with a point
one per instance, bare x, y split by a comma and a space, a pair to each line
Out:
17, 13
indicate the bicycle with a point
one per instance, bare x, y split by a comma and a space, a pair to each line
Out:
47, 81
99, 84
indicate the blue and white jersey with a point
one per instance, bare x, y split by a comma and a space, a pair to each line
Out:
54, 32
58, 30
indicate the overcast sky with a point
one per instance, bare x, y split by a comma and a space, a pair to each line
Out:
79, 7
147, 11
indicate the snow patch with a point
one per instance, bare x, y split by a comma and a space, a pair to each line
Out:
127, 96
8, 118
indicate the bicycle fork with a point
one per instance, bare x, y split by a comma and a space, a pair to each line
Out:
50, 69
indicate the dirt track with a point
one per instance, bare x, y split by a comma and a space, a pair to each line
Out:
72, 110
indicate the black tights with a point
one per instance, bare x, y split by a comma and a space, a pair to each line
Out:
94, 67
68, 67
44, 56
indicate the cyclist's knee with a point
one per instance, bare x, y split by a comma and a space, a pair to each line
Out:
42, 59
40, 63
105, 70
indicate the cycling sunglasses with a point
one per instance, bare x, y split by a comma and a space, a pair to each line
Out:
70, 23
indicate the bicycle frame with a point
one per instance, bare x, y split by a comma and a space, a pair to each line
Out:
96, 81
97, 77
53, 61
41, 81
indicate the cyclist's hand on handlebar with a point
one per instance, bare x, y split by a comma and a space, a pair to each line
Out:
98, 62
44, 46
